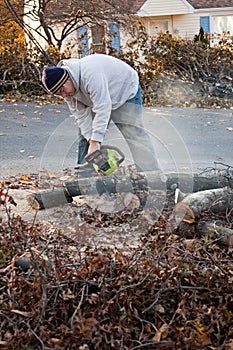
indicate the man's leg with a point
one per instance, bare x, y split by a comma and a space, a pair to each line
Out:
128, 119
86, 170
82, 149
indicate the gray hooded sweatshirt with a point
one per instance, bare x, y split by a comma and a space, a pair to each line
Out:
103, 83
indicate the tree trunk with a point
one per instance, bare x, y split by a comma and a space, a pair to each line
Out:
138, 183
189, 207
222, 235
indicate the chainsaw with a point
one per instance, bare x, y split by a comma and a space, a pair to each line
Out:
106, 160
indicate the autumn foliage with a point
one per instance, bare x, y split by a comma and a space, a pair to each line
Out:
173, 71
58, 292
182, 72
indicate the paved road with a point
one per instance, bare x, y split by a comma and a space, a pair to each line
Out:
34, 137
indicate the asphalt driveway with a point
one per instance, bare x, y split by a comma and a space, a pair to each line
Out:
35, 137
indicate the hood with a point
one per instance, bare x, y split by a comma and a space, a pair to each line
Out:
72, 65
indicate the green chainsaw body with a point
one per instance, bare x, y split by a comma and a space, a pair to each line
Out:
106, 160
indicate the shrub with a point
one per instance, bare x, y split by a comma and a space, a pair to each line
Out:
172, 71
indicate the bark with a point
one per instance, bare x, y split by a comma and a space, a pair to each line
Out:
138, 183
188, 210
197, 182
189, 207
222, 235
217, 234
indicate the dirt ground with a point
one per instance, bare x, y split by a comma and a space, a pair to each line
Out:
97, 221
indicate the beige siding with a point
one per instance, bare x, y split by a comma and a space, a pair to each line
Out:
165, 7
186, 26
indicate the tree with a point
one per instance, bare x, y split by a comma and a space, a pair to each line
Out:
12, 43
53, 21
201, 37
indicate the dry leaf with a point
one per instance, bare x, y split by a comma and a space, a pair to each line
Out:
56, 340
50, 174
189, 243
160, 308
184, 213
161, 333
229, 345
25, 178
131, 201
2, 342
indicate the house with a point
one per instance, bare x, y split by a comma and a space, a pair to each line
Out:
182, 18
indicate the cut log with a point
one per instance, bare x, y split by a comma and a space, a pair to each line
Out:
222, 235
191, 205
139, 182
188, 208
196, 182
46, 200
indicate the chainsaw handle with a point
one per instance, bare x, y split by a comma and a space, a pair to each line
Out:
90, 157
115, 149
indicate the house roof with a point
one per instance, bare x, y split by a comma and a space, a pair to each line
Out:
56, 10
137, 5
203, 4
196, 4
60, 9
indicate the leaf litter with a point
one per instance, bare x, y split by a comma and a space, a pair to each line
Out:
75, 277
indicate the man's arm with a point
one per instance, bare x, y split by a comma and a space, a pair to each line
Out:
97, 88
83, 116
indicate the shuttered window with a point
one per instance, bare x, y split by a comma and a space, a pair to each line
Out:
83, 40
97, 39
205, 23
115, 36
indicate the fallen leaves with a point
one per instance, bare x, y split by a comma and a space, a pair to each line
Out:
161, 333
5, 197
25, 178
164, 292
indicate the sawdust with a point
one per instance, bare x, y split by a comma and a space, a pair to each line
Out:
70, 221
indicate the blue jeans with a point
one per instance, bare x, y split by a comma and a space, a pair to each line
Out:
82, 149
137, 99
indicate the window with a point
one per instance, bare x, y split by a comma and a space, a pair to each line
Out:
158, 26
205, 23
115, 36
93, 39
223, 24
97, 36
83, 40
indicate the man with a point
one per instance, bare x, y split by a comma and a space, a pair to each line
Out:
100, 88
